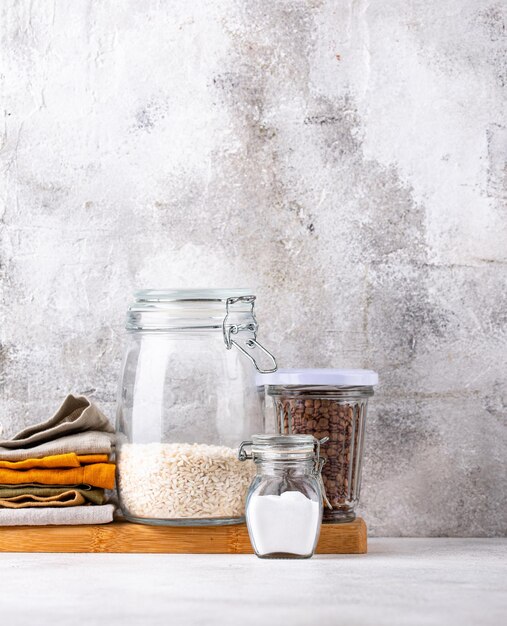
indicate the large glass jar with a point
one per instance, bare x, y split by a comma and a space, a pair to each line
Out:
187, 398
284, 502
327, 403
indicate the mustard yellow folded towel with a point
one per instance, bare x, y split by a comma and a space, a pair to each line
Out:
97, 475
88, 459
56, 460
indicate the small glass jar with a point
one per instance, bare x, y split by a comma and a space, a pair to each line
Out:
327, 403
187, 398
284, 502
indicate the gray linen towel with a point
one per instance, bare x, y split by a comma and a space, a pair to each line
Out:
102, 514
92, 442
77, 414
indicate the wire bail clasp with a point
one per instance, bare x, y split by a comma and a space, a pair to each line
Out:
252, 327
243, 454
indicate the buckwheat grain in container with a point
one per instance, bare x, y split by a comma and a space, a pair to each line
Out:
327, 403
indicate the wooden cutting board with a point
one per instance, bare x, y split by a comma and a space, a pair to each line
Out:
349, 538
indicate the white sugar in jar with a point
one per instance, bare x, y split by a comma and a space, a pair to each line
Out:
284, 502
284, 524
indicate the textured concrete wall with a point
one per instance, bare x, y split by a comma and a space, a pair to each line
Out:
347, 159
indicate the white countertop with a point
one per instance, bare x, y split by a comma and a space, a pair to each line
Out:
400, 581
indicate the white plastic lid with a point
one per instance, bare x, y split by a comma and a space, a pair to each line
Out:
326, 377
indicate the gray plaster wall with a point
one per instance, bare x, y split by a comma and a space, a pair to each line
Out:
345, 159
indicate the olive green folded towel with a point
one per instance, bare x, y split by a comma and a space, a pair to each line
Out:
87, 492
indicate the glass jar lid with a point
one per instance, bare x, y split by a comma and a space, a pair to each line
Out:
267, 447
319, 377
190, 295
230, 311
188, 309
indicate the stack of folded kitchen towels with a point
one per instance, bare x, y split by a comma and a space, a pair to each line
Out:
56, 472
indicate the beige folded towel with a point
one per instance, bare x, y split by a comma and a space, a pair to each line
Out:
77, 414
102, 514
78, 426
92, 442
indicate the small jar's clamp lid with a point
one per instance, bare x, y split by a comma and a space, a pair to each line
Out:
319, 377
287, 448
267, 447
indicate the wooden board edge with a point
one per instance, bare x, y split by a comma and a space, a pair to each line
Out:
125, 537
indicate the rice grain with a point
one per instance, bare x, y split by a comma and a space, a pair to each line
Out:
181, 480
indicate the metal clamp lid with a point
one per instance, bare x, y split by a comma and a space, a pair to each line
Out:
288, 445
285, 441
252, 327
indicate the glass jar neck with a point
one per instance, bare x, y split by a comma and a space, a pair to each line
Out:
319, 392
272, 467
192, 310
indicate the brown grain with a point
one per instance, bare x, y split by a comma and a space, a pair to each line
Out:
342, 423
